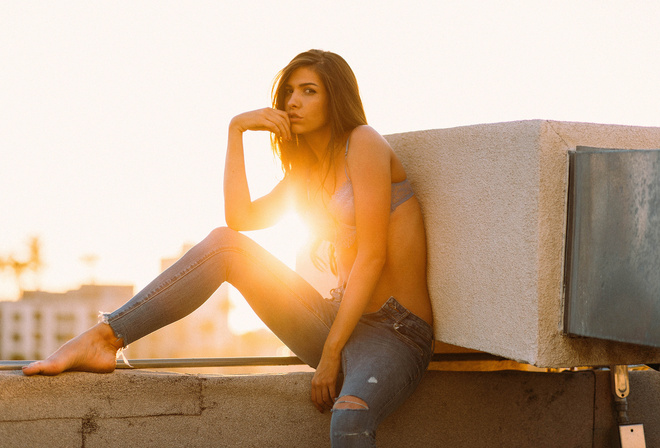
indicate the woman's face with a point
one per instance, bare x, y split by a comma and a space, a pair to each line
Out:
306, 102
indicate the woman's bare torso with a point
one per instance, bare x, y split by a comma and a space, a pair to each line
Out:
404, 273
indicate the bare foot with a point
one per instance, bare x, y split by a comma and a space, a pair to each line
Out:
95, 350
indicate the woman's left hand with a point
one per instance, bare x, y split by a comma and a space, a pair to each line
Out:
325, 381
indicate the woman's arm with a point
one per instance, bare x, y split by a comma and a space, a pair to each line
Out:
369, 161
241, 213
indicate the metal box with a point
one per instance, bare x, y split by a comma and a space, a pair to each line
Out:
612, 270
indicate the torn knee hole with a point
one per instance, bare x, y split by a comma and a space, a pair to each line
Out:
350, 402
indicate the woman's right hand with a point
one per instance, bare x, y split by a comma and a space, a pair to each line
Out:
267, 119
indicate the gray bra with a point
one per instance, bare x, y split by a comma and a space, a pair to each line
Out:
342, 207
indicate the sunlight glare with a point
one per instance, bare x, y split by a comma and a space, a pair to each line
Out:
283, 240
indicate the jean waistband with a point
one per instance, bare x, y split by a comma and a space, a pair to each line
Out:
393, 310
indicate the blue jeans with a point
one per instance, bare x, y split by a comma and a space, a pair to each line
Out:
382, 362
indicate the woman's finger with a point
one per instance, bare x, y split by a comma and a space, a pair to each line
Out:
330, 395
317, 400
271, 120
279, 128
322, 398
327, 401
281, 120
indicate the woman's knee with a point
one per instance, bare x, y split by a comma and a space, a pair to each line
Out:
220, 241
222, 233
350, 402
222, 237
352, 423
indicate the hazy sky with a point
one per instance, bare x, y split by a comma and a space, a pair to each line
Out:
113, 115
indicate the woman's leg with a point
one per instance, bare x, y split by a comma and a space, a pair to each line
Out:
383, 361
286, 303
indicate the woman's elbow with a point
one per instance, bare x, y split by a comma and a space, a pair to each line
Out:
234, 220
232, 223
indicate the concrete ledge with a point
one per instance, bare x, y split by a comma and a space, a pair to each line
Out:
459, 409
76, 395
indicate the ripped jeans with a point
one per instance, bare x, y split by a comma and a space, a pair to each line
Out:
382, 362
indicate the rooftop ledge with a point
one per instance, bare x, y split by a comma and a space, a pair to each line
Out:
458, 409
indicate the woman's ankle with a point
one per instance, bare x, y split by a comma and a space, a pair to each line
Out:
105, 332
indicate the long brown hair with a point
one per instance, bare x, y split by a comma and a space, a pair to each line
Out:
345, 112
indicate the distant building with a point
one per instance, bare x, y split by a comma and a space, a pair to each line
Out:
38, 323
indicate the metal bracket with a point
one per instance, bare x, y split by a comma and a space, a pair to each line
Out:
620, 381
630, 436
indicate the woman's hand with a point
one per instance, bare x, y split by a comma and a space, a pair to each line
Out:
268, 119
324, 382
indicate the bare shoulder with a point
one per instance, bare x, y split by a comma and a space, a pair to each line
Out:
365, 141
371, 149
369, 155
366, 135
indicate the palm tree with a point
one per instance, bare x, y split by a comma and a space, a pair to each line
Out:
19, 267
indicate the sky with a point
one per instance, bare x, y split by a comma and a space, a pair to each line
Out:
114, 114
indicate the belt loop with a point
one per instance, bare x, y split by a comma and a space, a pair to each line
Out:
391, 303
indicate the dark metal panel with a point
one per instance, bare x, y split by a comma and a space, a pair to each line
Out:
612, 275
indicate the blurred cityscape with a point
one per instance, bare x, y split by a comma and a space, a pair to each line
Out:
36, 324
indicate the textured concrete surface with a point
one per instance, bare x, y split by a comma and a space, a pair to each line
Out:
494, 202
458, 409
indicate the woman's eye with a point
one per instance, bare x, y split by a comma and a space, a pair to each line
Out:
310, 91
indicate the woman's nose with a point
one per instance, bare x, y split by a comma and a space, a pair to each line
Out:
293, 101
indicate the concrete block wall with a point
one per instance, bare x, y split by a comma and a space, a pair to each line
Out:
457, 409
494, 203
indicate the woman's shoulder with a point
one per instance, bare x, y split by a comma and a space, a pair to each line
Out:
365, 132
366, 139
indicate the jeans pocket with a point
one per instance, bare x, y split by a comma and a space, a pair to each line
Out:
410, 337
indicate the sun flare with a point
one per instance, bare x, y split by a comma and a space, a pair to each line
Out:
284, 240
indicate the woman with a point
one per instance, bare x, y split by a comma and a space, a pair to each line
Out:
371, 340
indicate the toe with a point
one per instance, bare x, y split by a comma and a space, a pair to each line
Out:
32, 368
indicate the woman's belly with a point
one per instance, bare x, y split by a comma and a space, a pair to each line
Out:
404, 273
406, 284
